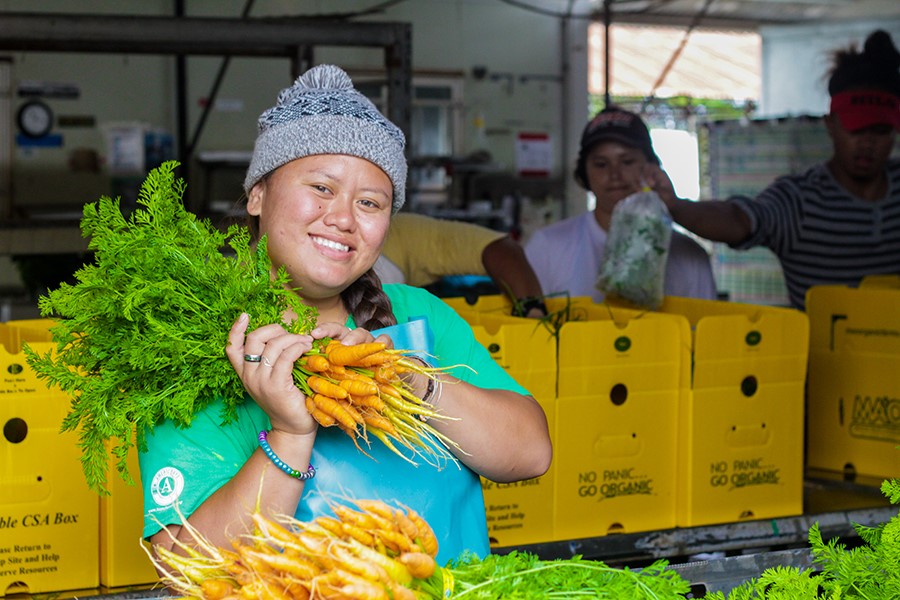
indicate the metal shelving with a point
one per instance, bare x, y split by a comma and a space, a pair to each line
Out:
728, 537
292, 38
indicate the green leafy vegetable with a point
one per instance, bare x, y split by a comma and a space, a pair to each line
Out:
523, 576
633, 267
870, 571
141, 334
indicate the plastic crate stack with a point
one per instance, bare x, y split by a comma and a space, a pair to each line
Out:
55, 533
690, 415
853, 411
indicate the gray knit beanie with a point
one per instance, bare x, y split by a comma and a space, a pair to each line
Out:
322, 113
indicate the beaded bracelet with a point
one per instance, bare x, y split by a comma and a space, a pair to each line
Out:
264, 444
428, 391
426, 398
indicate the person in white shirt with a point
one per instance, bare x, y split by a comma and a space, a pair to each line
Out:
566, 255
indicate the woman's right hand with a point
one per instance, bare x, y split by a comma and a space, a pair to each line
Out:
270, 382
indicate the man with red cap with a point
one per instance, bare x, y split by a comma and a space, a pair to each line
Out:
840, 220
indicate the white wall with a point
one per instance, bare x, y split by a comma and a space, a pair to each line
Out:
795, 61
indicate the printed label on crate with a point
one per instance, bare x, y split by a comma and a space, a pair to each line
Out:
614, 484
27, 559
504, 506
47, 550
30, 557
738, 474
853, 420
16, 385
877, 338
876, 419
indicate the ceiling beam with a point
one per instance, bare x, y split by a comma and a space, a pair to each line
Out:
187, 35
709, 21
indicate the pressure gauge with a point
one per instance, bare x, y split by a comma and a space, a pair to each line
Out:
35, 119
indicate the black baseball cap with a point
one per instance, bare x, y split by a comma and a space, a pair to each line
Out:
619, 125
613, 124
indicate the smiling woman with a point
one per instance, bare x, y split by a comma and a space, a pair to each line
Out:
327, 174
326, 218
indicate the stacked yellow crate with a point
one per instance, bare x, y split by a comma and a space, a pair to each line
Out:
97, 540
620, 378
48, 515
853, 408
123, 561
741, 422
685, 416
522, 512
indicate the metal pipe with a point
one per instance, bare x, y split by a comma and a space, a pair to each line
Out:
187, 35
607, 21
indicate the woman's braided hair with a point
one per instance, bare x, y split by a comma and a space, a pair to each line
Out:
366, 301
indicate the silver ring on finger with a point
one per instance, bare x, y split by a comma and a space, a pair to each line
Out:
254, 358
266, 362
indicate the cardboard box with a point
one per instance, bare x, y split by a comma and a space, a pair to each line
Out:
741, 421
853, 398
685, 416
48, 515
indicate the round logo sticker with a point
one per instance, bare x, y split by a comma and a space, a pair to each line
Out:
167, 485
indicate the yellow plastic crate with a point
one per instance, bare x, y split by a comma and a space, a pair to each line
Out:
620, 377
520, 512
523, 347
123, 562
853, 419
891, 282
741, 421
48, 515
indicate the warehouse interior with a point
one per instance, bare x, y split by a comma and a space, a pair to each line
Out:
492, 96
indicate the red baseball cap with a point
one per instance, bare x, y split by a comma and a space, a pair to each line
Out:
857, 109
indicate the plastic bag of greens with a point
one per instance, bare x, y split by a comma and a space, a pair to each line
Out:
637, 247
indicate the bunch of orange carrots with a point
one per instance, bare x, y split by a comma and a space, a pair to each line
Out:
360, 389
374, 551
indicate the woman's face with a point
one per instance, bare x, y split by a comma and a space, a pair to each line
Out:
325, 217
861, 155
613, 173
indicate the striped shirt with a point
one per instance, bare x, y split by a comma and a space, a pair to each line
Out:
823, 235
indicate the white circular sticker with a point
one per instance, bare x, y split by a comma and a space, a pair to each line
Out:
167, 485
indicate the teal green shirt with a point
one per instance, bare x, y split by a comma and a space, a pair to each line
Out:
190, 464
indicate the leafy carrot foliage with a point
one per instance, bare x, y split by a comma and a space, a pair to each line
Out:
870, 571
523, 576
141, 334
